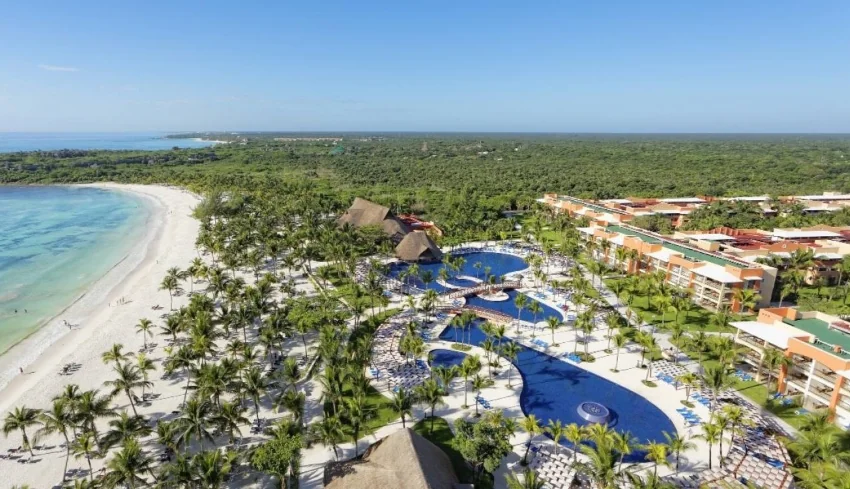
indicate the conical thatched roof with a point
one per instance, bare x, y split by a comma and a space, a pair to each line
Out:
365, 213
401, 460
418, 246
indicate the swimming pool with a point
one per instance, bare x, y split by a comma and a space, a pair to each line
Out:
499, 263
445, 358
553, 389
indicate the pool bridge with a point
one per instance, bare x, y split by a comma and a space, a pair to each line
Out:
482, 312
475, 290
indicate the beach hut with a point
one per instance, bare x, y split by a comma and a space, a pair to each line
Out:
401, 460
418, 246
364, 213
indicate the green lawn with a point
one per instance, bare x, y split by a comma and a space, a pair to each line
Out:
697, 319
442, 436
378, 408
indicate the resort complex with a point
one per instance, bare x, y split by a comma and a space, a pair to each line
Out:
677, 209
349, 350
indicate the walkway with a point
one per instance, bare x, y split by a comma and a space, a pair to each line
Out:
468, 291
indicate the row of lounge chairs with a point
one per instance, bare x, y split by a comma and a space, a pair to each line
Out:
696, 396
691, 418
540, 343
572, 357
483, 402
743, 375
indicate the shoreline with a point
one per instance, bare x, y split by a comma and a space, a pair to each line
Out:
168, 241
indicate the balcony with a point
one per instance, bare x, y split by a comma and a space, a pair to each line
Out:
750, 341
825, 376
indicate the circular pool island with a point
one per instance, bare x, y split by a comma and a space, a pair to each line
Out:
593, 412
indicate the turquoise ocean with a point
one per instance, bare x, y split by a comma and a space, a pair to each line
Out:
56, 241
50, 141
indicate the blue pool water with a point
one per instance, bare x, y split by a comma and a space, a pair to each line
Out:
446, 358
553, 389
499, 263
508, 307
462, 282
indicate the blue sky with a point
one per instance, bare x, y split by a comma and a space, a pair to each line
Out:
719, 66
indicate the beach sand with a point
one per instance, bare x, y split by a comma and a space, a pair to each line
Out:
107, 313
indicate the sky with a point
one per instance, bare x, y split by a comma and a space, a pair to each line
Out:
566, 66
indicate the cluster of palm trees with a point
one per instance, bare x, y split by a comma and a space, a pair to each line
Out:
605, 451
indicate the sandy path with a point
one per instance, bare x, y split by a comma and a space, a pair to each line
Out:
99, 321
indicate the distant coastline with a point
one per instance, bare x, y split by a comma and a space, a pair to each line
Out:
20, 142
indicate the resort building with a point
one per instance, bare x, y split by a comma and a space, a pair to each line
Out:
678, 208
712, 276
402, 459
818, 345
828, 246
408, 232
364, 213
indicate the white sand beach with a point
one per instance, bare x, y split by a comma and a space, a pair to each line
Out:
106, 314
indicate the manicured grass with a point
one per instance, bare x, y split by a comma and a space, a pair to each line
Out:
442, 436
698, 319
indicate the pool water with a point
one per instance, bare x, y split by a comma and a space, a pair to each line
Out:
553, 389
499, 263
446, 358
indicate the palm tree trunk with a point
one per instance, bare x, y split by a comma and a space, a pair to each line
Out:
67, 455
132, 404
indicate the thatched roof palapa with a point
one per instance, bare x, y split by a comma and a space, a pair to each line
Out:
418, 246
365, 213
401, 460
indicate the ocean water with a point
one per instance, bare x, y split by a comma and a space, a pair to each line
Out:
32, 141
55, 241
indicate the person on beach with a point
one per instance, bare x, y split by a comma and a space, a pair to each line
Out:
21, 369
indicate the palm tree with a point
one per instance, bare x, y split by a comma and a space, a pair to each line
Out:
59, 419
402, 404
229, 417
553, 323
511, 352
535, 308
115, 354
530, 480
531, 425
212, 468
144, 327
194, 421
620, 340
716, 379
772, 360
470, 365
711, 433
129, 378
92, 407
556, 431
127, 465
126, 427
84, 446
172, 285
145, 365
747, 299
574, 434
430, 394
21, 418
657, 454
255, 384
328, 432
689, 380
478, 384
520, 302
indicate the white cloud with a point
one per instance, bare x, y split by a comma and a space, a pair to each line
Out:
58, 68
